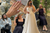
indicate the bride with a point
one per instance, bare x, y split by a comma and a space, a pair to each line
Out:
30, 25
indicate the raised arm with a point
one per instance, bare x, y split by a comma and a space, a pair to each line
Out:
25, 9
34, 9
15, 21
44, 10
37, 10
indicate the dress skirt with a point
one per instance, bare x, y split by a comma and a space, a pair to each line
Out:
42, 20
18, 29
30, 25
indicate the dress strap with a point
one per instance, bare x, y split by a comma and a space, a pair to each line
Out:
16, 20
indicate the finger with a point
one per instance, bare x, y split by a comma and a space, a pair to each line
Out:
12, 12
16, 13
10, 8
13, 4
13, 7
9, 11
18, 7
18, 4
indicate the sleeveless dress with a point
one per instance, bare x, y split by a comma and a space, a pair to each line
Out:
19, 26
42, 17
30, 25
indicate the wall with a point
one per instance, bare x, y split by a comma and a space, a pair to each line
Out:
24, 2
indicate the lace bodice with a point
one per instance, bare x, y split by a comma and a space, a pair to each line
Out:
29, 9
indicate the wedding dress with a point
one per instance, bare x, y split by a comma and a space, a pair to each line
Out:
30, 25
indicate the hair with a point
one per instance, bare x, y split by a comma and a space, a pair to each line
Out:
41, 5
28, 2
3, 17
18, 16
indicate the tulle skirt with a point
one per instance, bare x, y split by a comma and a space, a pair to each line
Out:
30, 25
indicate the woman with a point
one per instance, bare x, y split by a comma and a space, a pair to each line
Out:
42, 18
5, 24
30, 22
19, 21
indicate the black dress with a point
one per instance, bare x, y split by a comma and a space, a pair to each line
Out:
42, 17
19, 26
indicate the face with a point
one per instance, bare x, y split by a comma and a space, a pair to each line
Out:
4, 16
30, 3
40, 6
20, 16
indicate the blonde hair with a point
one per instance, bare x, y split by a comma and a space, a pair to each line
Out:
40, 5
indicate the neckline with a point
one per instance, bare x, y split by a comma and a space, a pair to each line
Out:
29, 7
42, 8
21, 21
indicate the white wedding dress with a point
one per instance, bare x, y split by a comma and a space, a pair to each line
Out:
30, 25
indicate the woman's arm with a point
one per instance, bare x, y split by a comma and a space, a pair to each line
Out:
25, 9
44, 10
37, 10
34, 9
15, 21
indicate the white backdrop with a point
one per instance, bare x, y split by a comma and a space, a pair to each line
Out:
24, 2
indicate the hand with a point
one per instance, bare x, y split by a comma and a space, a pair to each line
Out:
13, 9
15, 18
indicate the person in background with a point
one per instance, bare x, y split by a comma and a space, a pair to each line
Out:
18, 22
42, 18
5, 24
13, 11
